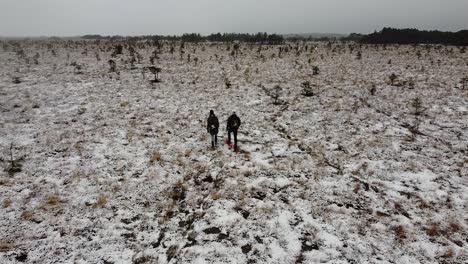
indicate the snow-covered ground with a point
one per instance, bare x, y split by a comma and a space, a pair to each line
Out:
100, 167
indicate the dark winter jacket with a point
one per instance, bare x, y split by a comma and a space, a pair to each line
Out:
213, 124
233, 123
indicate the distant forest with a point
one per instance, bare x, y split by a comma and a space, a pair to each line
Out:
262, 38
414, 36
385, 36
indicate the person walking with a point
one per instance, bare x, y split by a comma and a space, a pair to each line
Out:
213, 127
233, 124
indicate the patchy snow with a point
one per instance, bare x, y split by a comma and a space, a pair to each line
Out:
106, 167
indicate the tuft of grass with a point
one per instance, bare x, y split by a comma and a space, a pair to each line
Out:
130, 136
76, 175
247, 156
100, 202
171, 252
265, 210
453, 227
4, 182
169, 211
449, 253
50, 201
247, 172
180, 161
382, 214
423, 204
6, 246
178, 191
187, 152
155, 156
79, 148
216, 195
357, 187
400, 233
433, 230
27, 215
242, 199
6, 203
142, 259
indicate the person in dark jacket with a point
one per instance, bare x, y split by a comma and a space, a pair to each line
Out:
233, 125
213, 127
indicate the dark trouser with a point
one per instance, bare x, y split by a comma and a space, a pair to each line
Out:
234, 131
214, 140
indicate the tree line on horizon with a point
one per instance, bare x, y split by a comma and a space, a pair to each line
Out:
385, 36
413, 36
261, 38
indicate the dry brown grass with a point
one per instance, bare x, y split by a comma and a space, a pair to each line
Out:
216, 195
453, 227
130, 135
219, 154
6, 246
247, 156
203, 137
177, 192
6, 203
382, 214
70, 178
100, 202
423, 204
187, 152
27, 215
265, 209
450, 253
397, 206
411, 137
155, 156
180, 161
242, 199
49, 202
247, 172
357, 187
79, 148
400, 232
169, 211
433, 230
179, 184
4, 182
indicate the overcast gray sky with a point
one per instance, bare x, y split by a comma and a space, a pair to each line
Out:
139, 17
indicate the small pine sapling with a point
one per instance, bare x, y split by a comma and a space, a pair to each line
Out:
112, 65
307, 89
276, 94
315, 70
155, 70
